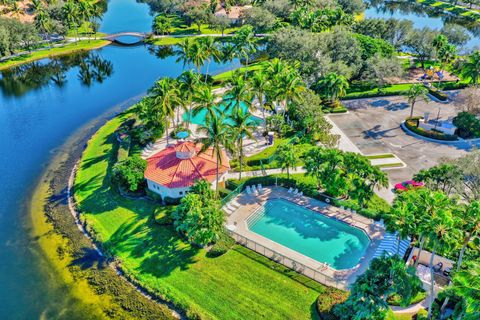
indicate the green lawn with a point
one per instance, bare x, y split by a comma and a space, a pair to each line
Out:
179, 27
57, 51
237, 285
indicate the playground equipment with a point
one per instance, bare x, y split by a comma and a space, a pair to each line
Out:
432, 73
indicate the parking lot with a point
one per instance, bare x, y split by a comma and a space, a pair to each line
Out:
373, 125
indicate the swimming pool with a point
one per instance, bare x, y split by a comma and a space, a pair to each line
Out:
199, 118
310, 233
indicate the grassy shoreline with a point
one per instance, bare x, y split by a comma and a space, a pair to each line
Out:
83, 45
164, 264
89, 287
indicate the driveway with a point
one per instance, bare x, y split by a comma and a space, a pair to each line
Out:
373, 125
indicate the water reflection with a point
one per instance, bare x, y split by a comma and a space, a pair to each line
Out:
18, 81
423, 16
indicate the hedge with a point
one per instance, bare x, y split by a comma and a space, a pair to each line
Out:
412, 124
326, 302
376, 206
442, 96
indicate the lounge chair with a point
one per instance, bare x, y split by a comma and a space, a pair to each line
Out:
254, 189
438, 267
300, 193
295, 191
290, 190
260, 188
249, 191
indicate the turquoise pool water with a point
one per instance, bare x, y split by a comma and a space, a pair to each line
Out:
199, 118
309, 233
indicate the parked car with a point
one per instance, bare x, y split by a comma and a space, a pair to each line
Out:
404, 186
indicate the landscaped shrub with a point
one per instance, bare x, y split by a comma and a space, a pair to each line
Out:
223, 244
129, 173
468, 125
326, 301
442, 96
412, 124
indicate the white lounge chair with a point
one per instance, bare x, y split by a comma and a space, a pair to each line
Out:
235, 203
259, 187
249, 191
300, 193
295, 191
254, 189
290, 190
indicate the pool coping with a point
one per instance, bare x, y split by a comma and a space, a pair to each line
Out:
247, 220
249, 204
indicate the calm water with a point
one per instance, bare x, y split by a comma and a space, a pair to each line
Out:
41, 105
126, 15
312, 234
422, 17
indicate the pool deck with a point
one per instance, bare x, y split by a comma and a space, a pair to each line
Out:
236, 222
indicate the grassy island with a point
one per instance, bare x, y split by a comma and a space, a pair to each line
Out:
237, 284
84, 45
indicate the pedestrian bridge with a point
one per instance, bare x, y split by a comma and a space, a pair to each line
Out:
116, 37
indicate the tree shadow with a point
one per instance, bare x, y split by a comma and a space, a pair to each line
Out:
89, 258
160, 248
376, 133
352, 252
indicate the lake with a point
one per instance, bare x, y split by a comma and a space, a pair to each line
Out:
41, 105
423, 16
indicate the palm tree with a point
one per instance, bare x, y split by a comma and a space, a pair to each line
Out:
332, 87
417, 91
287, 157
245, 43
466, 285
260, 86
439, 42
400, 219
447, 54
218, 135
210, 51
238, 92
243, 127
469, 219
86, 11
189, 82
288, 87
184, 53
205, 100
471, 69
228, 53
43, 22
165, 96
71, 14
198, 55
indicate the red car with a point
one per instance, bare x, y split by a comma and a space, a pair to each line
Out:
404, 186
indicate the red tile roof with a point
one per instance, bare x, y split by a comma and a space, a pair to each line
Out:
180, 165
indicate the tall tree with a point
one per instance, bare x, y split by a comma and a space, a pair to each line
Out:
217, 135
260, 87
204, 99
471, 69
287, 157
416, 92
239, 92
242, 127
165, 96
332, 87
245, 43
210, 51
189, 82
466, 286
